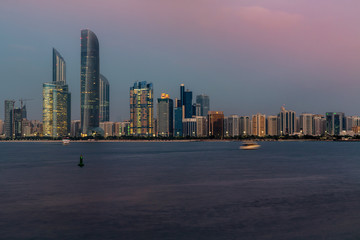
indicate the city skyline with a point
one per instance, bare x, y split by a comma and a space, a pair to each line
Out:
259, 54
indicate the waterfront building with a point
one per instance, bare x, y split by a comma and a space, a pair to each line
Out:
287, 121
26, 128
141, 109
319, 124
187, 107
9, 118
108, 128
59, 68
37, 128
122, 129
1, 127
56, 110
245, 126
57, 101
258, 125
189, 127
75, 130
90, 77
232, 126
272, 126
204, 103
165, 113
216, 124
306, 124
335, 123
201, 126
178, 117
18, 122
104, 92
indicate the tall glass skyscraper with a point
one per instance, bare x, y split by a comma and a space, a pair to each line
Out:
90, 91
104, 99
204, 102
141, 109
335, 123
57, 101
9, 118
59, 68
165, 116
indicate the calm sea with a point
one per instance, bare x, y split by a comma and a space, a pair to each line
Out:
199, 190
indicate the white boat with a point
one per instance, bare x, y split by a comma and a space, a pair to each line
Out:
250, 146
65, 141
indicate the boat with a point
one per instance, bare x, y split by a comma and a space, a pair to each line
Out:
66, 141
250, 146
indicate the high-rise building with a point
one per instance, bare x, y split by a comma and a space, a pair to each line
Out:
258, 125
287, 121
306, 123
188, 108
57, 101
189, 127
335, 123
141, 109
245, 126
59, 68
201, 126
204, 102
232, 126
104, 99
90, 90
1, 127
56, 110
75, 130
319, 125
9, 118
165, 113
272, 126
216, 124
18, 122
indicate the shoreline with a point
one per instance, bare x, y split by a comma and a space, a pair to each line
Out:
182, 140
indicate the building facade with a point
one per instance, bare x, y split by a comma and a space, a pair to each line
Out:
90, 77
104, 92
204, 103
335, 123
216, 124
165, 116
141, 109
287, 121
9, 118
258, 125
306, 124
272, 126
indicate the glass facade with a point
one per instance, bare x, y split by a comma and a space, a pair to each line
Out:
141, 109
56, 110
165, 113
178, 122
104, 99
335, 123
9, 118
216, 124
90, 70
59, 68
204, 102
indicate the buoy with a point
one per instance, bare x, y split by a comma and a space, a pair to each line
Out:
81, 164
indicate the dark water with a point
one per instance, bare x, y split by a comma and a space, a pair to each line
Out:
285, 190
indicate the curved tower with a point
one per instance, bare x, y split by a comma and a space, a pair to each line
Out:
59, 68
90, 69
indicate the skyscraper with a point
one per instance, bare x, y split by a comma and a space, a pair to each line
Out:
335, 123
188, 108
165, 113
9, 118
141, 109
57, 101
59, 68
245, 126
216, 124
204, 102
90, 70
287, 121
104, 99
272, 126
258, 125
306, 123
